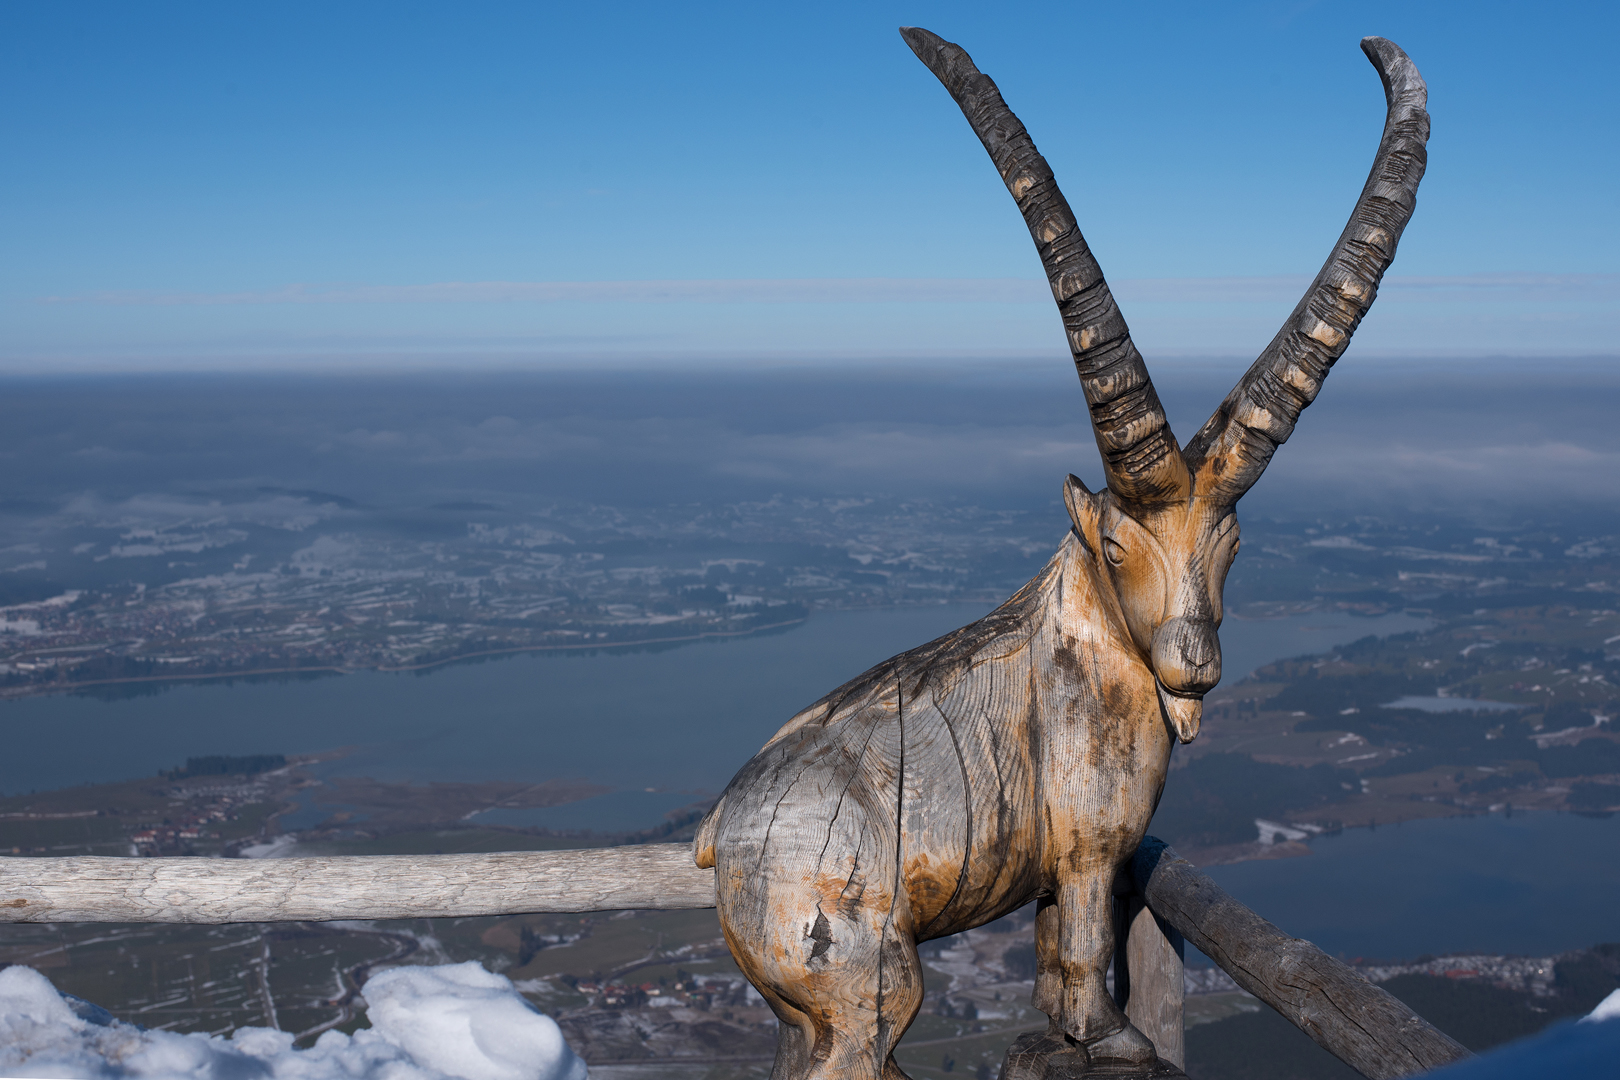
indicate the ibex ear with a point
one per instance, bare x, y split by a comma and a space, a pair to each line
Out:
1083, 510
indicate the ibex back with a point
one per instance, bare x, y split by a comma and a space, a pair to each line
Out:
1022, 757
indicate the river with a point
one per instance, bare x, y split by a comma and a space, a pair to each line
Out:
677, 719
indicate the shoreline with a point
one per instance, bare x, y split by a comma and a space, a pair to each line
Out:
46, 690
335, 669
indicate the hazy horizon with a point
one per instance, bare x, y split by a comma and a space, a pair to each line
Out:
1485, 436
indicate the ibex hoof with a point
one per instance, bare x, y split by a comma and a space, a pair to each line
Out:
1126, 1046
1040, 1055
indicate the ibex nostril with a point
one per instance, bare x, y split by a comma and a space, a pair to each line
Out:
1197, 649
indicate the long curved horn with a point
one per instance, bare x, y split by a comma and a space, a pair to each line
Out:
1140, 456
1233, 448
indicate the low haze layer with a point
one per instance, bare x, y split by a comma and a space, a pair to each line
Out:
1487, 436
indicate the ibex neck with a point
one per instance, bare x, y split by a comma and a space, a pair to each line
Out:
1082, 604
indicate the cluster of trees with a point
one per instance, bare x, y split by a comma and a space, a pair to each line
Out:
222, 765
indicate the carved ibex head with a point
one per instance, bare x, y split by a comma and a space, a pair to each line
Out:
1163, 534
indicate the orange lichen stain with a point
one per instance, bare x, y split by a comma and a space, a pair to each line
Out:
930, 887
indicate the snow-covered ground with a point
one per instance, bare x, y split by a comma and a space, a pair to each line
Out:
452, 1022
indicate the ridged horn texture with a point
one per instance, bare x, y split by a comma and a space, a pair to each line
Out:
1233, 448
1140, 456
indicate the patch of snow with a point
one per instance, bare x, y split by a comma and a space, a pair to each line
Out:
1441, 703
279, 847
1608, 1009
1271, 831
1347, 543
456, 1022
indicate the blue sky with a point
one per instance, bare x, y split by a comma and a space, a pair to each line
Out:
225, 187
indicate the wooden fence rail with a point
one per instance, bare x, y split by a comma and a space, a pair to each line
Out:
1163, 898
96, 889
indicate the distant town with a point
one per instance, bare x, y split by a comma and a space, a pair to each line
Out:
302, 581
193, 599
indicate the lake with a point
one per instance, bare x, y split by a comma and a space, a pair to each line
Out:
681, 719
1531, 884
676, 719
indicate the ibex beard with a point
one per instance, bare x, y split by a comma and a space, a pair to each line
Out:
1021, 757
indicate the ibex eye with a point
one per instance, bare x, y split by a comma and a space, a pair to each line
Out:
1115, 553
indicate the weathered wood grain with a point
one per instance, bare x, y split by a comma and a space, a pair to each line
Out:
94, 889
1361, 1024
1040, 1055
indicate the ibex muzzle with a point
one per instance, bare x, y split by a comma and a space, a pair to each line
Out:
1022, 757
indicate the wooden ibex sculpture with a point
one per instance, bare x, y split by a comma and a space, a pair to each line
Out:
1022, 757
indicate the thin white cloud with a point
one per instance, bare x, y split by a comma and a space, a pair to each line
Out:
1466, 288
1513, 287
747, 291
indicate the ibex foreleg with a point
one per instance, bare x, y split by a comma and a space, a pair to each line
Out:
1073, 944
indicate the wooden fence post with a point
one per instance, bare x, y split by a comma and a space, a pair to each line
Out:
1149, 957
